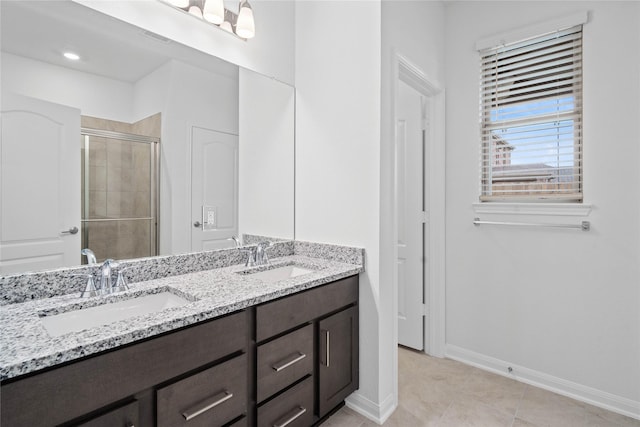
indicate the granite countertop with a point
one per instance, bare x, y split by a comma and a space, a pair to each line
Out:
25, 345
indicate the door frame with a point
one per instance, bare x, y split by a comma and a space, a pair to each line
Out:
403, 69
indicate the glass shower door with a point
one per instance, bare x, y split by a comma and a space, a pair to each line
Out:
119, 194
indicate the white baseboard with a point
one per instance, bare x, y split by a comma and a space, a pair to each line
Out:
378, 413
580, 392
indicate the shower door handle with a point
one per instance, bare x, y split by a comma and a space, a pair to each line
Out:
72, 230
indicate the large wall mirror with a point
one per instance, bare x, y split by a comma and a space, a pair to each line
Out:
142, 146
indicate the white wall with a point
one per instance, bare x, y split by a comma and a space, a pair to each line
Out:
338, 152
186, 96
94, 95
561, 307
416, 31
270, 52
266, 181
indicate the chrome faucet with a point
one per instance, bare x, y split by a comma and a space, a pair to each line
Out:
106, 285
91, 257
257, 254
251, 255
261, 253
236, 240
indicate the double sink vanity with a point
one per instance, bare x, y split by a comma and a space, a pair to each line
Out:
199, 340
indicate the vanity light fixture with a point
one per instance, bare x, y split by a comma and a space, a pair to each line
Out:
213, 11
241, 24
195, 11
179, 3
245, 25
71, 56
228, 19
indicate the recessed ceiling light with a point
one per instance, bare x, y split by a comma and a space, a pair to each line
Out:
72, 56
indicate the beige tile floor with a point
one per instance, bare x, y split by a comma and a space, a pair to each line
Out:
444, 393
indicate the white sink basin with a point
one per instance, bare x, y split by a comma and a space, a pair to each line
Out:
281, 273
86, 318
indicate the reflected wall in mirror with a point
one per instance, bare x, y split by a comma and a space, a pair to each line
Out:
226, 139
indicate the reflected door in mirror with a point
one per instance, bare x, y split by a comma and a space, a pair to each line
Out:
214, 189
40, 183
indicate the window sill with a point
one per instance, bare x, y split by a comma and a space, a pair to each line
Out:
542, 209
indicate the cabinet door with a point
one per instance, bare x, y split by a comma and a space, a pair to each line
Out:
338, 358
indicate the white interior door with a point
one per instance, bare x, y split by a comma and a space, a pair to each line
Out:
214, 189
39, 185
411, 216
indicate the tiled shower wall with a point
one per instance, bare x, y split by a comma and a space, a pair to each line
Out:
119, 187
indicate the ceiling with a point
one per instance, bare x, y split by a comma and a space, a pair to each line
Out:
44, 30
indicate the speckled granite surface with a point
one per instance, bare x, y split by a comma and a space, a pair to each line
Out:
25, 345
46, 284
348, 254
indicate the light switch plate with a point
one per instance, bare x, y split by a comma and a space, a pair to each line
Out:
209, 217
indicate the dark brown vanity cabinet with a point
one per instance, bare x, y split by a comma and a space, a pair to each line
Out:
311, 340
126, 415
287, 362
118, 388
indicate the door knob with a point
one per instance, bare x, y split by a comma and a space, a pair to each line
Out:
72, 230
197, 224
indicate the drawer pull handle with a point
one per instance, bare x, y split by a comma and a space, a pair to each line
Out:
291, 418
326, 354
210, 403
296, 358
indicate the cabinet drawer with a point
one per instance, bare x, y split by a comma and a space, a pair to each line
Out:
293, 408
209, 398
286, 313
285, 360
124, 416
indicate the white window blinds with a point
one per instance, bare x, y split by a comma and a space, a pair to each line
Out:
531, 119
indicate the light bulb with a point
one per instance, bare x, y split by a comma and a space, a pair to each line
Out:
195, 10
72, 56
179, 3
245, 26
214, 11
226, 25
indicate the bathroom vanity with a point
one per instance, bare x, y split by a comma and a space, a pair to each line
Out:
280, 353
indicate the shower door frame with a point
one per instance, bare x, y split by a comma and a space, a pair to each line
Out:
153, 142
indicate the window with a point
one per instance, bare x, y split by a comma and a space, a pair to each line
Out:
531, 119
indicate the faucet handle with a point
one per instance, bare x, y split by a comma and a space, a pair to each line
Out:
251, 255
90, 287
261, 255
121, 281
110, 263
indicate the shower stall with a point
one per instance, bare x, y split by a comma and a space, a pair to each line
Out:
119, 194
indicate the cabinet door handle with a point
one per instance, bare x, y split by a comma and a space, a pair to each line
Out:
294, 358
291, 418
209, 403
327, 339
